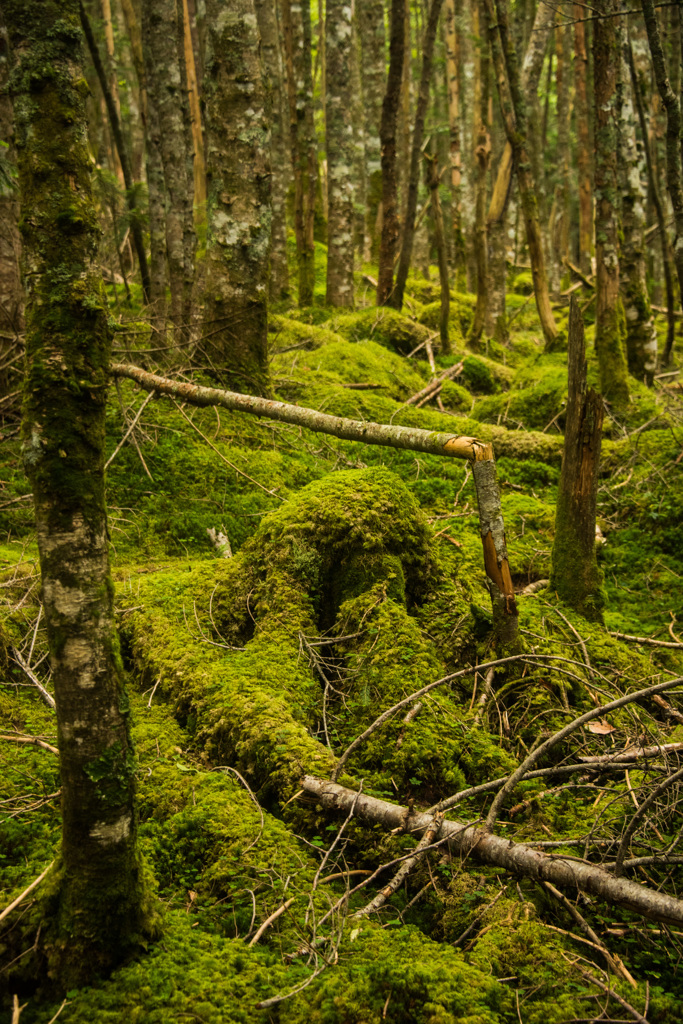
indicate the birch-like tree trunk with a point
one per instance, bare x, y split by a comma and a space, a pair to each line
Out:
163, 36
641, 335
388, 131
271, 58
452, 40
370, 22
239, 219
482, 158
296, 23
11, 289
609, 321
340, 153
96, 911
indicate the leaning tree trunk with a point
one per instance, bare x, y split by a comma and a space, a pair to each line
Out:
370, 20
609, 319
96, 912
583, 140
341, 153
641, 335
11, 289
278, 286
235, 340
396, 299
575, 575
513, 107
162, 32
296, 23
390, 106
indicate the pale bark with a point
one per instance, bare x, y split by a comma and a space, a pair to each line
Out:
340, 153
434, 180
163, 47
609, 326
492, 528
467, 841
370, 20
198, 165
482, 158
271, 58
388, 129
641, 335
559, 227
11, 289
452, 39
99, 875
583, 142
239, 220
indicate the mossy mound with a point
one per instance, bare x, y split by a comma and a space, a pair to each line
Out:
431, 317
287, 333
386, 326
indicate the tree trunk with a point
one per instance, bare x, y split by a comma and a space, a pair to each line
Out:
296, 21
583, 140
482, 157
513, 108
452, 39
111, 100
609, 319
340, 153
194, 107
370, 20
390, 107
641, 335
560, 221
96, 912
275, 88
238, 230
162, 31
11, 289
575, 575
396, 299
440, 239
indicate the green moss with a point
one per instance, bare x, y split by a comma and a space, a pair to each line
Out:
386, 326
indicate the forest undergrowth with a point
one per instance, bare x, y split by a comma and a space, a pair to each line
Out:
354, 579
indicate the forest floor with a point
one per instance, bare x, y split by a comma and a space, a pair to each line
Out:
356, 578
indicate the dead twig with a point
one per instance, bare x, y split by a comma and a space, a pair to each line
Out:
270, 920
27, 892
46, 697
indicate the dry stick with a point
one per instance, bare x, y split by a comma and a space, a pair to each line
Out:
33, 740
518, 858
130, 430
647, 640
27, 891
406, 867
615, 995
485, 694
269, 920
46, 697
552, 741
631, 754
671, 712
614, 962
637, 817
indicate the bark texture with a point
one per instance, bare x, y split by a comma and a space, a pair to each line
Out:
275, 92
370, 22
492, 527
388, 128
583, 141
11, 289
434, 180
517, 858
163, 36
95, 904
575, 575
452, 40
609, 320
428, 41
482, 157
235, 340
340, 153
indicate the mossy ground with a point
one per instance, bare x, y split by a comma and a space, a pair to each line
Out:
357, 577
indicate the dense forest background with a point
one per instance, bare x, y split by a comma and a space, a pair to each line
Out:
341, 511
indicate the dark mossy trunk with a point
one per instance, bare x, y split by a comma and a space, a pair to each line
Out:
96, 911
575, 575
390, 106
610, 327
340, 153
239, 217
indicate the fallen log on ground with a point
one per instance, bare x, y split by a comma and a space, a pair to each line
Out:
472, 841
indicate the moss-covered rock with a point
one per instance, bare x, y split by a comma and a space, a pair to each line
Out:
386, 326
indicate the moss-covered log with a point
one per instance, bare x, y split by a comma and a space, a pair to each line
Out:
99, 876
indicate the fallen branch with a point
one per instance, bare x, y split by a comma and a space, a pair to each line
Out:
638, 816
32, 740
270, 920
406, 867
615, 995
518, 858
647, 640
631, 754
27, 892
46, 697
435, 385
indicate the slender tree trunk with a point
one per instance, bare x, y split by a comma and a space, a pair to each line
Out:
641, 335
162, 31
198, 164
296, 21
482, 157
583, 140
96, 912
575, 575
452, 38
340, 153
390, 108
667, 259
434, 181
403, 156
560, 222
111, 100
11, 289
609, 320
272, 68
674, 141
513, 108
238, 240
370, 21
396, 299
